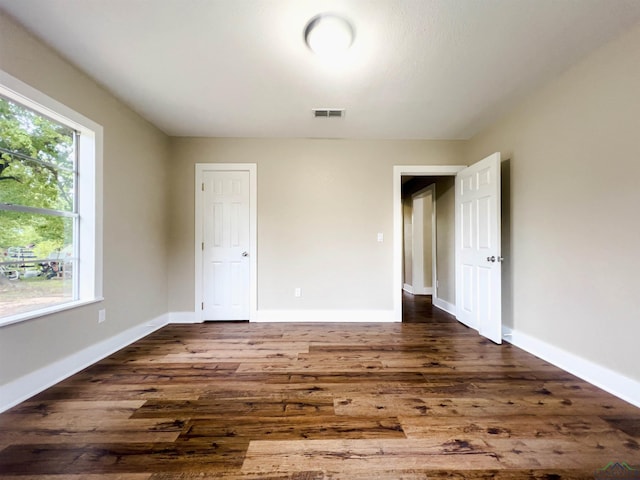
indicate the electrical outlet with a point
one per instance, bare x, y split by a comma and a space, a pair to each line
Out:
297, 292
102, 315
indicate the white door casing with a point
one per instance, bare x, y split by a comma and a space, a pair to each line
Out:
478, 260
225, 242
422, 202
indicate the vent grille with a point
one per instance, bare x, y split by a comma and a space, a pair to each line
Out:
328, 112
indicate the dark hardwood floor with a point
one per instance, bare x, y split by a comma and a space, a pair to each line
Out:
419, 309
424, 399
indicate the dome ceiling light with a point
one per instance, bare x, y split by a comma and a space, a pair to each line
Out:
328, 34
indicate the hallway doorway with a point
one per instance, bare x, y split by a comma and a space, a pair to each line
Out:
444, 266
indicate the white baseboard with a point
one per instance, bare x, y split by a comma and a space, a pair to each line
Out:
183, 317
347, 316
27, 386
613, 382
417, 291
442, 305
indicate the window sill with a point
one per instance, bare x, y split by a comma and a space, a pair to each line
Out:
21, 317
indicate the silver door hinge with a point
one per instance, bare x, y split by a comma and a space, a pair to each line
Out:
202, 245
203, 186
202, 305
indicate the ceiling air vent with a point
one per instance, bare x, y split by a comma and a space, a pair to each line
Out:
328, 112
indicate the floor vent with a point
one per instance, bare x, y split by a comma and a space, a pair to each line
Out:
328, 112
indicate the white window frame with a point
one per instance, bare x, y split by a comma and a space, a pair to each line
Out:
89, 190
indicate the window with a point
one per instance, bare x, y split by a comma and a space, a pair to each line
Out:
49, 216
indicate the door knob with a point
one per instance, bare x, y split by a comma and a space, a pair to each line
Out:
245, 254
492, 258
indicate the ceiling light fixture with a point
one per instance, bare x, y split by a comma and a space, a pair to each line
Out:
328, 34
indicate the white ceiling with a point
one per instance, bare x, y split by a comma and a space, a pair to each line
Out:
423, 69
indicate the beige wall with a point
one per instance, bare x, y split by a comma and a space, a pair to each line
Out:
422, 210
571, 208
135, 177
321, 204
427, 241
407, 250
445, 240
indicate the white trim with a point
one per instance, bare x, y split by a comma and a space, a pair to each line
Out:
25, 387
611, 381
398, 172
253, 232
21, 317
345, 316
27, 95
444, 305
183, 317
417, 291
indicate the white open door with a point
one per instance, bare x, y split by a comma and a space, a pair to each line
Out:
478, 260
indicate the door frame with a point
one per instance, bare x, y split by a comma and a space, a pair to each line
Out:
252, 169
398, 172
428, 190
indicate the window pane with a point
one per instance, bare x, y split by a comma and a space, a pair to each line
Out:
37, 263
33, 185
37, 159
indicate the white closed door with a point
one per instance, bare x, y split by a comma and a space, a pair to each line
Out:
478, 260
225, 245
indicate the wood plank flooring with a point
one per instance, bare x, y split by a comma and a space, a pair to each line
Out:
424, 399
